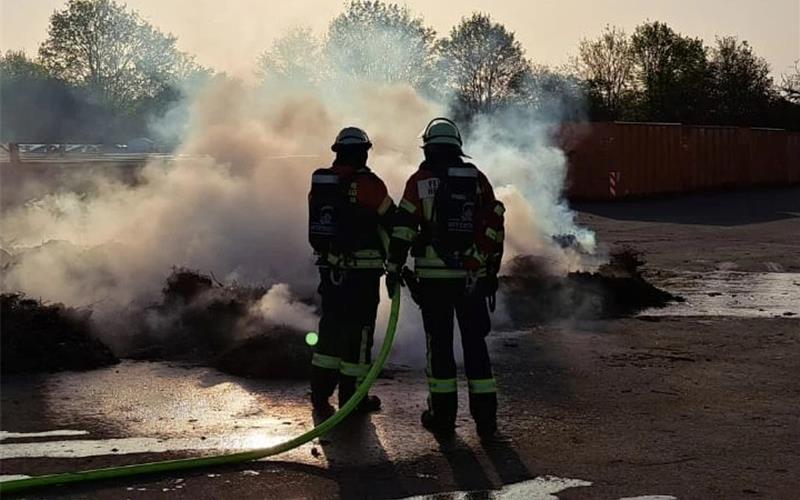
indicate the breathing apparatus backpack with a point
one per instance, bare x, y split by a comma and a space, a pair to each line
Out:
463, 223
455, 208
337, 224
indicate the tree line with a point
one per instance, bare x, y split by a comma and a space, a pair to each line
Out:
101, 75
657, 74
104, 73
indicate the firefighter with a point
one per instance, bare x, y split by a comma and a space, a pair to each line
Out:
349, 218
453, 225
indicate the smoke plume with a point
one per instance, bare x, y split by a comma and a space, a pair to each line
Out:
233, 199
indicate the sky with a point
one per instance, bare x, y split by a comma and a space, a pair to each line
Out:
230, 35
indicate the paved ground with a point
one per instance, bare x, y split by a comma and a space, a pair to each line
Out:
680, 405
745, 231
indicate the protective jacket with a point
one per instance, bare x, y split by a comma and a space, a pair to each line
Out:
416, 225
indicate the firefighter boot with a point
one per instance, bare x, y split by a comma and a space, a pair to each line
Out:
440, 417
368, 404
483, 408
323, 383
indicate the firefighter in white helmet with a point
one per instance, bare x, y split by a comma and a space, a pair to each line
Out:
349, 220
453, 225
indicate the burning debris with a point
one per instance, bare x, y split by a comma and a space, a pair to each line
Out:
617, 289
230, 326
203, 321
195, 319
280, 353
38, 337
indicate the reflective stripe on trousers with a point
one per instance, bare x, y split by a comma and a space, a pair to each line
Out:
482, 386
357, 370
360, 368
325, 361
442, 386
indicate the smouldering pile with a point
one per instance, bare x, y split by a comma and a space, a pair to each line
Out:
203, 321
38, 337
617, 289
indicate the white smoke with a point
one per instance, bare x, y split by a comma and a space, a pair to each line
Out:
233, 200
279, 306
517, 152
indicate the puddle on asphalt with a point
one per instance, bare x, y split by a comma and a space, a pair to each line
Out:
155, 407
158, 399
144, 407
730, 293
540, 488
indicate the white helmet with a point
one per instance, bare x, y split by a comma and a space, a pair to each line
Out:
441, 131
351, 136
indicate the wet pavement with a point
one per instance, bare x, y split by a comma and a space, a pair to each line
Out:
607, 409
160, 410
697, 400
561, 385
155, 407
730, 293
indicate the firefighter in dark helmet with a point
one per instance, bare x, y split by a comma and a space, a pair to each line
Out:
453, 225
349, 218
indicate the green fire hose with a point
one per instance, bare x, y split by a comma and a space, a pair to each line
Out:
226, 459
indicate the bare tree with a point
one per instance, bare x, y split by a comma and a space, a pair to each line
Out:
606, 63
482, 63
790, 84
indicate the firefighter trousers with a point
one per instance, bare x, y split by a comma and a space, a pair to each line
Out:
439, 299
346, 329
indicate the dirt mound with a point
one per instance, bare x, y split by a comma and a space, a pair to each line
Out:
39, 337
200, 320
196, 319
617, 289
185, 285
280, 353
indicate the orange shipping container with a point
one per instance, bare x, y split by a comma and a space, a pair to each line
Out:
620, 159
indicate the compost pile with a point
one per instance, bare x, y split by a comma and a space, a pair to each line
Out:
38, 337
202, 321
278, 353
618, 289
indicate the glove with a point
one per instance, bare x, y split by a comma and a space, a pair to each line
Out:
393, 280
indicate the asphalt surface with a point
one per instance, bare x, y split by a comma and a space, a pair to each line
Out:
674, 404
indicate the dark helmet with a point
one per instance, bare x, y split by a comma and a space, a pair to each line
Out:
351, 136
